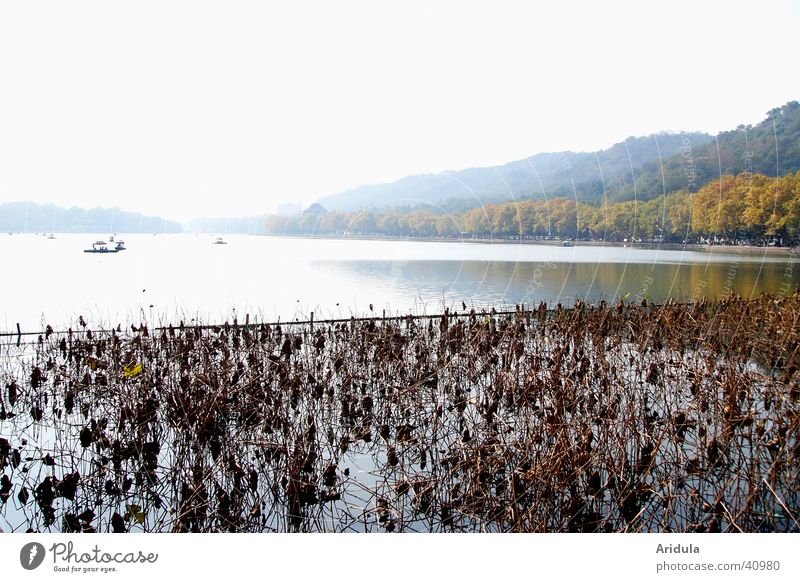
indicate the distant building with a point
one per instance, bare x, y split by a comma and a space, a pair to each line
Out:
315, 208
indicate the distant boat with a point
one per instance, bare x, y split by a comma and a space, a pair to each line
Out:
100, 247
567, 243
51, 236
219, 241
120, 246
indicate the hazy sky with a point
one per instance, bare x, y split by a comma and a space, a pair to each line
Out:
197, 108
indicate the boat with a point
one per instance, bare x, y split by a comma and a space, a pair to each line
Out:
219, 241
567, 243
120, 246
100, 246
51, 236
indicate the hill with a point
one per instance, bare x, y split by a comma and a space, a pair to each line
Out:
31, 217
638, 168
771, 148
746, 208
535, 176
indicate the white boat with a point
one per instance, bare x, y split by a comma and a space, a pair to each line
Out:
100, 246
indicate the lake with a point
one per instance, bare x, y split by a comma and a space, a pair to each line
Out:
534, 421
169, 278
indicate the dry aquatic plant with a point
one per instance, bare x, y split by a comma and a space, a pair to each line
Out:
678, 417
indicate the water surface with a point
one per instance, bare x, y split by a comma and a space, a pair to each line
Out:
173, 277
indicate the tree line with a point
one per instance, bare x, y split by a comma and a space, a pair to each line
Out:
32, 217
745, 207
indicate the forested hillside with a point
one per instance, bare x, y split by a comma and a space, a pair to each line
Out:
746, 207
30, 217
771, 148
539, 176
640, 168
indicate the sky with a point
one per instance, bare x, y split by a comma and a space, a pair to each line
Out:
188, 109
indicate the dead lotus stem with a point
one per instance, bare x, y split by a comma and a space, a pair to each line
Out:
595, 418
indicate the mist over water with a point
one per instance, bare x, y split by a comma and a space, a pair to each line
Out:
168, 278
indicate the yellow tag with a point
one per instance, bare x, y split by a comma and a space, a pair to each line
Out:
131, 372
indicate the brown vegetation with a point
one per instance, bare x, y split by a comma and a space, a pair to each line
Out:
594, 418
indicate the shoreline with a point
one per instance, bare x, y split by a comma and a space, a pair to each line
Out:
723, 249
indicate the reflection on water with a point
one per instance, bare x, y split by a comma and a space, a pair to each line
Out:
184, 277
492, 282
